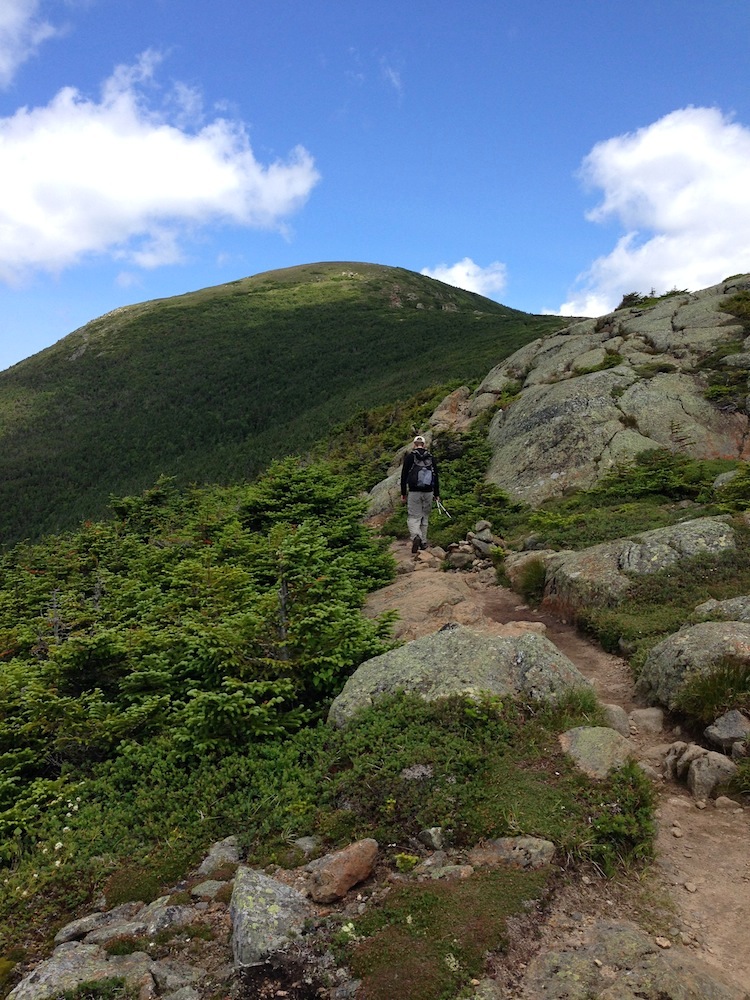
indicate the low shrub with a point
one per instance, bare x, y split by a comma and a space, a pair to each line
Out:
707, 696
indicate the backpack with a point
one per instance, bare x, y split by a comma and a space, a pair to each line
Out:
421, 474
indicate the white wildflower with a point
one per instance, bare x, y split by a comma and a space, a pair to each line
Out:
59, 845
453, 963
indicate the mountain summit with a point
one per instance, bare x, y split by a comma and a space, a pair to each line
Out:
211, 385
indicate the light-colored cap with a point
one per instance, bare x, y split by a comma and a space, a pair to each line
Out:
419, 439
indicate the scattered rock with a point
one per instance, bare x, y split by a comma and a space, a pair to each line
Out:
596, 750
709, 772
733, 727
521, 852
334, 875
225, 852
648, 720
266, 916
617, 717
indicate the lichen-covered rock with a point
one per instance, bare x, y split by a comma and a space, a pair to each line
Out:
693, 651
708, 773
266, 916
457, 660
734, 609
224, 852
732, 727
521, 852
615, 960
601, 574
567, 429
74, 963
596, 750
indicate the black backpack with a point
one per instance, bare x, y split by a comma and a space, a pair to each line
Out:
421, 474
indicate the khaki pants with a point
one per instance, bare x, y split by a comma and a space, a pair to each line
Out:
418, 507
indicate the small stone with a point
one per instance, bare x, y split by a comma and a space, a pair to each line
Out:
691, 887
700, 804
677, 832
724, 802
663, 942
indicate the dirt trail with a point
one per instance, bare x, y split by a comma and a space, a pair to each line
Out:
703, 854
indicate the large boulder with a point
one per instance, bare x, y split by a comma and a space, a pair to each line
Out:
601, 574
693, 651
457, 660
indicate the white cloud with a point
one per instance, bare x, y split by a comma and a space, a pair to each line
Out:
466, 274
392, 76
21, 33
120, 177
680, 188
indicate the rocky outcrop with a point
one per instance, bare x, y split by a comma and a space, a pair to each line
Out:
692, 652
456, 660
603, 390
618, 961
735, 609
602, 574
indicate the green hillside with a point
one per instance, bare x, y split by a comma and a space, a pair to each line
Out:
210, 386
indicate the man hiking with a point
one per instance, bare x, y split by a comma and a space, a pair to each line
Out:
419, 487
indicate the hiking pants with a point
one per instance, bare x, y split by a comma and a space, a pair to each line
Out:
418, 507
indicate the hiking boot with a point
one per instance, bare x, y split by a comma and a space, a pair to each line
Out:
423, 545
416, 545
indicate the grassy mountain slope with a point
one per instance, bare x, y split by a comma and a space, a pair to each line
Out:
211, 385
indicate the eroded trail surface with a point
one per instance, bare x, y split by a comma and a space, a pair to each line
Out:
703, 850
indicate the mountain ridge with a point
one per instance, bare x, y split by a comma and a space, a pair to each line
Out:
211, 385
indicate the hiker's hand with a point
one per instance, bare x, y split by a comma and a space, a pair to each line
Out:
403, 498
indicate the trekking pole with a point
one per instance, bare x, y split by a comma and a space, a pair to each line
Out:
442, 509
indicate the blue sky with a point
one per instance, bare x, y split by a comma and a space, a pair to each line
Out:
549, 155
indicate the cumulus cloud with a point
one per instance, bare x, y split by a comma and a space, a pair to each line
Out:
120, 177
22, 31
466, 274
680, 188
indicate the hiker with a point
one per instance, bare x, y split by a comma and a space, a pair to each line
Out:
419, 487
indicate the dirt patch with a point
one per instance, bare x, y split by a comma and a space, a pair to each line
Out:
697, 894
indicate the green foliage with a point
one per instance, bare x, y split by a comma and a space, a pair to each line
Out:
707, 696
220, 617
739, 306
736, 493
636, 300
635, 496
531, 581
212, 386
622, 826
101, 989
478, 769
436, 937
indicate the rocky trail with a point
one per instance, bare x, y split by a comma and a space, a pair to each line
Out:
700, 885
